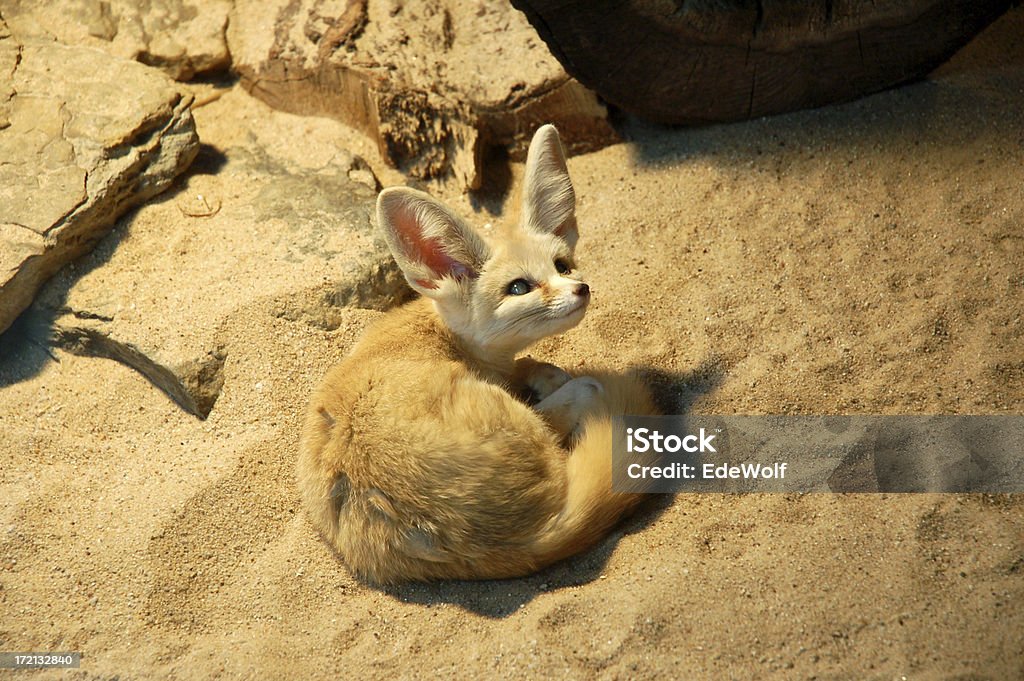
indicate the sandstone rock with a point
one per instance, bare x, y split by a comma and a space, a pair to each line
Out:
282, 222
182, 37
434, 82
9, 56
84, 137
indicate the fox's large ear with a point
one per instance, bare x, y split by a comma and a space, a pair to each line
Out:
429, 242
549, 202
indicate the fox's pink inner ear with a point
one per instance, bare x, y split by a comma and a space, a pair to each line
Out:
430, 252
431, 255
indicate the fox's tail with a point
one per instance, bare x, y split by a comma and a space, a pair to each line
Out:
591, 507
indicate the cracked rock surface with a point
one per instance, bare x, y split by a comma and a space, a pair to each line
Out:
183, 38
84, 137
273, 213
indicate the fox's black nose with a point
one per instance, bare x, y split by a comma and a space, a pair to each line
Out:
583, 290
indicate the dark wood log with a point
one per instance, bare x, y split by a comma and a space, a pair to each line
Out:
702, 61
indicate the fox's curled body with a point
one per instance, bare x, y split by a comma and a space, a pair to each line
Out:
420, 457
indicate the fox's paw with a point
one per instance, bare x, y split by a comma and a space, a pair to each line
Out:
566, 408
540, 377
589, 389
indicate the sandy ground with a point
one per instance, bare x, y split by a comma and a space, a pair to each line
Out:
865, 258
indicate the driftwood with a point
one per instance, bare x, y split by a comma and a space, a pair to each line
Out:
701, 61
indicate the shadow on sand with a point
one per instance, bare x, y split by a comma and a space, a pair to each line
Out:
27, 346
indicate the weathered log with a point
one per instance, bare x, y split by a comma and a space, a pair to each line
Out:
702, 61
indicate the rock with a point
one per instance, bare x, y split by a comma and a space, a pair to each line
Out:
279, 219
185, 38
84, 137
433, 82
10, 53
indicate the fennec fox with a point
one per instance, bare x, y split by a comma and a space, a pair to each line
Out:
421, 458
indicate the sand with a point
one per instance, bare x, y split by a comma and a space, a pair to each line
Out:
865, 258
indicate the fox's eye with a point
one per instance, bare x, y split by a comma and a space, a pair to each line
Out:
562, 267
519, 287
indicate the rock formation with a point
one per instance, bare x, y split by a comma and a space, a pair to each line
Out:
84, 137
279, 219
184, 38
434, 82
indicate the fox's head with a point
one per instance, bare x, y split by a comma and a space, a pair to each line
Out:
506, 293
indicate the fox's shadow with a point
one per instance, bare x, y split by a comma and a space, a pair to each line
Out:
674, 394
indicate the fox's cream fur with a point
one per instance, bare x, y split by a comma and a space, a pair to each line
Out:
421, 456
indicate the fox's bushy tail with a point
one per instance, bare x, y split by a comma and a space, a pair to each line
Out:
591, 506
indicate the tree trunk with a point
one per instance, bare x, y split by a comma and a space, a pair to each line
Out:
702, 61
